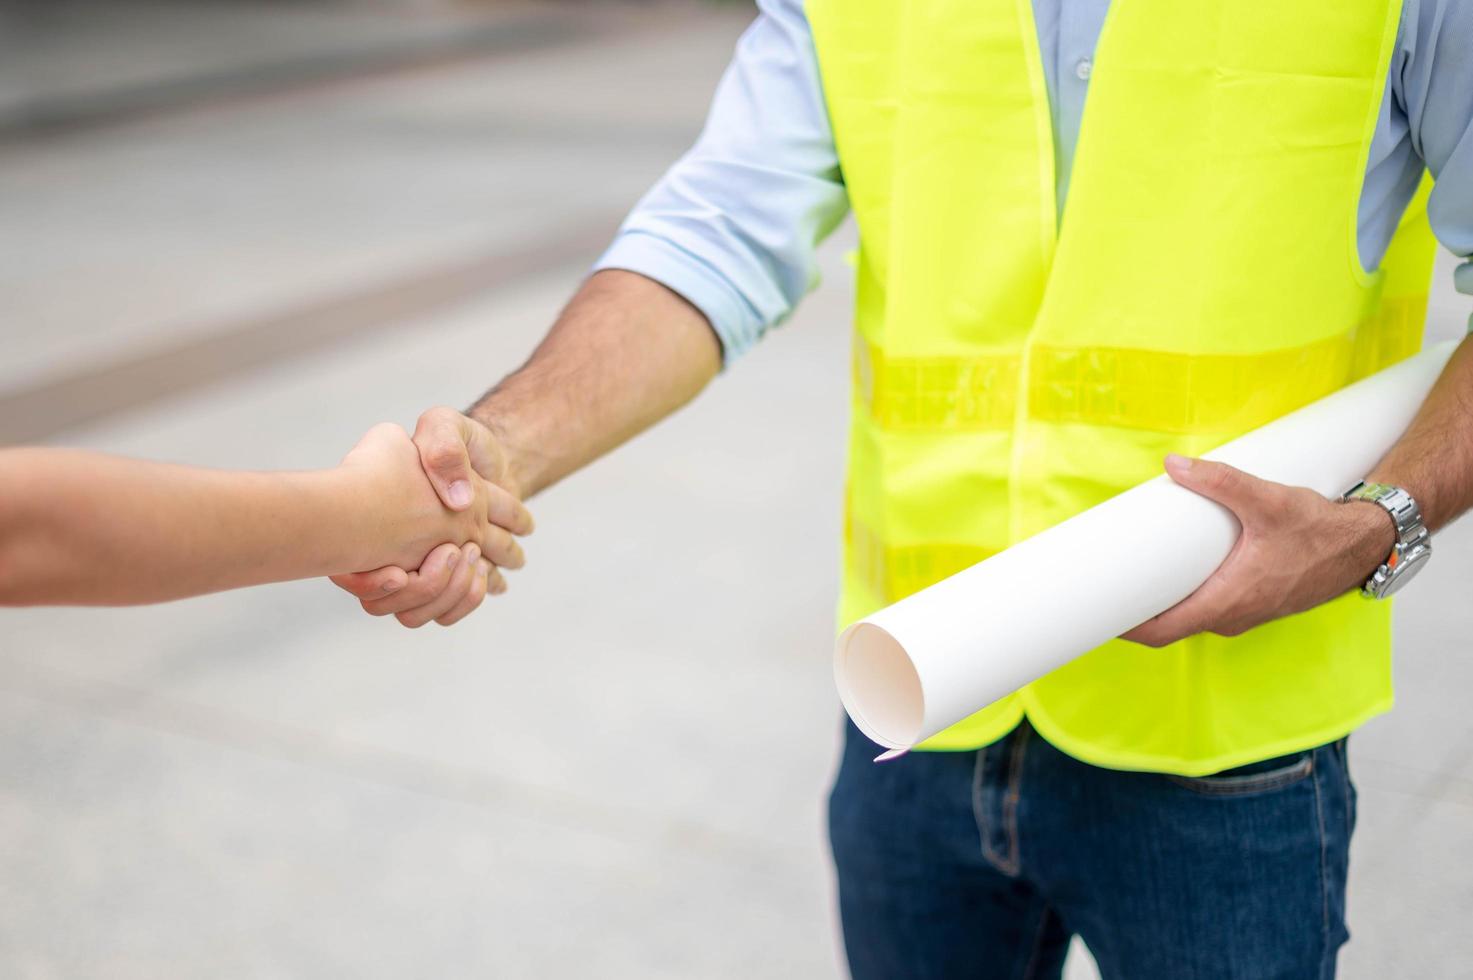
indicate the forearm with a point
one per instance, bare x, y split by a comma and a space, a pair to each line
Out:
88, 528
625, 353
1434, 460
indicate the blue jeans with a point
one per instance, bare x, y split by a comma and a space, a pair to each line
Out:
982, 865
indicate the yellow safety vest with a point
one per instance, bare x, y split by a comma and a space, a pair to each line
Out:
1011, 370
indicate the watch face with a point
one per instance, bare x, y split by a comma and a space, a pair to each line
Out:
1406, 570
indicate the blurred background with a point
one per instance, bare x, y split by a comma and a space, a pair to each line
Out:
238, 233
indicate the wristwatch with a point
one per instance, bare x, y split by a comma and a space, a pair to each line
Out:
1413, 544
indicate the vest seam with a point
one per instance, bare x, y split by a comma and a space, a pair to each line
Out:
1043, 131
1390, 32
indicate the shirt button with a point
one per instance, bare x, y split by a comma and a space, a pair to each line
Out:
1082, 69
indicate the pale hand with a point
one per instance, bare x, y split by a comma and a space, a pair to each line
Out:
1297, 550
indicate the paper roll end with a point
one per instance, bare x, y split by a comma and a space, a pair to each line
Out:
879, 686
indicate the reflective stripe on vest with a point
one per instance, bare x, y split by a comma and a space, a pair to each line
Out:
1165, 391
1011, 370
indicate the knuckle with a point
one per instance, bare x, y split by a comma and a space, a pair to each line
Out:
1221, 477
1296, 498
437, 415
414, 594
354, 585
443, 455
1195, 629
434, 574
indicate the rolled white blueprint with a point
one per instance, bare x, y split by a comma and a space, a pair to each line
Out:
936, 657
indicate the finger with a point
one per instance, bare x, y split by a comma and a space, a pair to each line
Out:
505, 510
1212, 605
472, 599
461, 581
1175, 624
454, 450
442, 451
424, 586
1245, 495
501, 548
495, 582
372, 585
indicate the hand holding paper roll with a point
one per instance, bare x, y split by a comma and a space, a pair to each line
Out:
917, 667
1296, 550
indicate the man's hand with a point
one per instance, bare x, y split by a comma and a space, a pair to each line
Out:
454, 450
1297, 550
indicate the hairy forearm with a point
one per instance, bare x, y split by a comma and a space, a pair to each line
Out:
625, 353
1433, 461
80, 527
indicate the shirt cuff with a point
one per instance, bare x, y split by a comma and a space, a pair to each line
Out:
735, 322
1463, 280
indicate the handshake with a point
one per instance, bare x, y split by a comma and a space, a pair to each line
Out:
448, 513
434, 518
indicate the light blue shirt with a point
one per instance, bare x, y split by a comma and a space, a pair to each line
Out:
734, 225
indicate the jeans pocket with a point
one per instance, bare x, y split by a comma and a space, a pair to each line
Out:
1256, 778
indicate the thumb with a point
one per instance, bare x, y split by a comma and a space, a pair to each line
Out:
444, 439
1242, 493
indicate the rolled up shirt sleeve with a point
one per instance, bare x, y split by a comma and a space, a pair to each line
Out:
1437, 90
734, 225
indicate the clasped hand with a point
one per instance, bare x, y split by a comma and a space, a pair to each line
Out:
467, 468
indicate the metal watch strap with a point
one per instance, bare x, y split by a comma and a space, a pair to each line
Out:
1413, 543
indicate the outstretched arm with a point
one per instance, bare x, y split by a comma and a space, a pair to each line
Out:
80, 527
